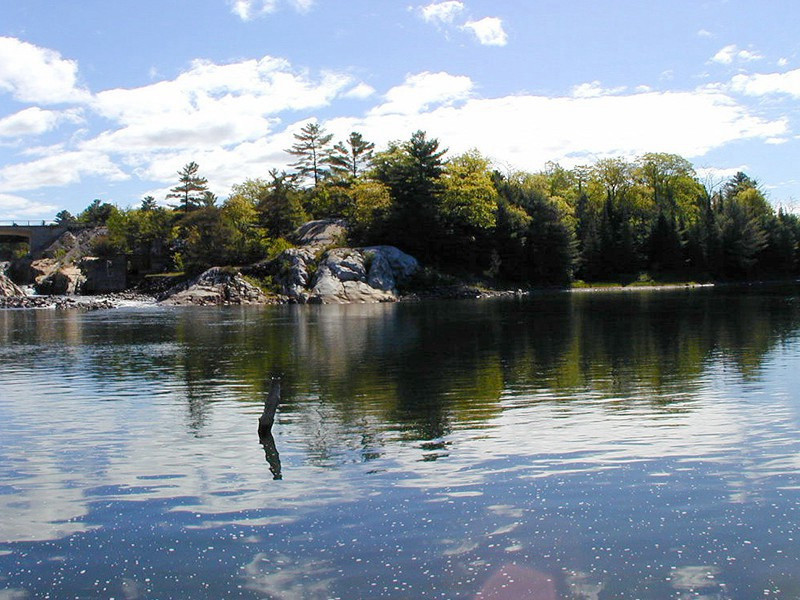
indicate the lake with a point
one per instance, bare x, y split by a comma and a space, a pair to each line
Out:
578, 446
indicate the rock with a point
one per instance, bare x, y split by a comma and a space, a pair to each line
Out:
318, 234
294, 277
342, 275
71, 247
8, 288
403, 265
360, 275
215, 286
65, 280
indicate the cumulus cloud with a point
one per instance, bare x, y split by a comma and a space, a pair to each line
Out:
594, 89
441, 12
60, 169
527, 130
17, 207
768, 83
489, 31
420, 91
360, 91
35, 121
33, 74
730, 53
248, 10
213, 104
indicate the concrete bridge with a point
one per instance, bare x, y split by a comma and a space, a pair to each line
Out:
38, 234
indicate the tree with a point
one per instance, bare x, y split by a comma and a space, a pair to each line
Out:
65, 217
352, 157
411, 171
192, 188
149, 203
97, 213
311, 150
279, 205
469, 199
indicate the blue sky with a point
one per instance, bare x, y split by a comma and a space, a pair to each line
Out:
109, 100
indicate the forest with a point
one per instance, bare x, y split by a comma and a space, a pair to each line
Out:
615, 220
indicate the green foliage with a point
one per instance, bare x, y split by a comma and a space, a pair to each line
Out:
192, 191
103, 247
312, 152
469, 198
367, 210
97, 213
611, 221
64, 217
201, 234
411, 171
351, 158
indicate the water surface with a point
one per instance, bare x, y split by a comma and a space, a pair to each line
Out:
638, 445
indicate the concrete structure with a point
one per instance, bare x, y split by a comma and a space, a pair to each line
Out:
38, 234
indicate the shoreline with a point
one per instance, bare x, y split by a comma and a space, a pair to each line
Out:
134, 298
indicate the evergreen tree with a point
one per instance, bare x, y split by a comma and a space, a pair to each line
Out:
352, 157
279, 206
191, 190
149, 203
312, 152
411, 171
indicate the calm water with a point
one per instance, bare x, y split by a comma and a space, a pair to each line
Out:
640, 445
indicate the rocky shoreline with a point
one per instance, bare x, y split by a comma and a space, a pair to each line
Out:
88, 303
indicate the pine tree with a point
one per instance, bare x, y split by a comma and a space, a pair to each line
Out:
351, 157
312, 152
192, 188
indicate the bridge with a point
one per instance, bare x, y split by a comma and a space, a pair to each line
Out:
38, 234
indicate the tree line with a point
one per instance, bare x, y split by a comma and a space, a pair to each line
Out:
610, 221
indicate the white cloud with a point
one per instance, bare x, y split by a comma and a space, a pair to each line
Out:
594, 89
526, 131
35, 121
17, 207
211, 105
728, 54
782, 62
418, 92
248, 10
768, 83
441, 12
704, 33
361, 91
60, 169
488, 30
34, 74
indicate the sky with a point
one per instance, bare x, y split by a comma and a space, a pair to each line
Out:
110, 99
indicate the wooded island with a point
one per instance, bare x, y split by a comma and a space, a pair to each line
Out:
615, 220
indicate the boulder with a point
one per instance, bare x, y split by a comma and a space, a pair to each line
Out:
65, 280
215, 286
321, 233
8, 288
360, 275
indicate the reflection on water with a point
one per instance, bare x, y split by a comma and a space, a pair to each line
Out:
590, 446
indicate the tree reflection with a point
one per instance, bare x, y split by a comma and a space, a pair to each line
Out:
358, 377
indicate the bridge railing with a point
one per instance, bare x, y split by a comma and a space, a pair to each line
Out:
21, 223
